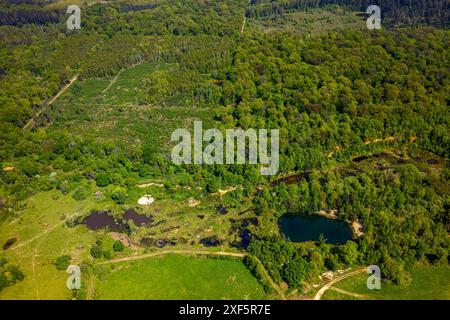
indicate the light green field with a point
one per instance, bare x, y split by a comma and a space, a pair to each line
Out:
314, 21
180, 277
129, 84
428, 283
42, 237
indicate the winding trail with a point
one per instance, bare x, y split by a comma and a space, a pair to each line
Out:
60, 92
348, 293
334, 281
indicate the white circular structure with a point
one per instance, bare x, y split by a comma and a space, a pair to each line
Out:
146, 200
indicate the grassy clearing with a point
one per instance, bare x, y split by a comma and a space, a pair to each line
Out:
180, 277
313, 21
428, 283
129, 85
116, 115
175, 220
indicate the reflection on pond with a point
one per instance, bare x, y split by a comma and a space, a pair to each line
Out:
303, 228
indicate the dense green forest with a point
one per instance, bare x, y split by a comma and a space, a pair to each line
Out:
333, 95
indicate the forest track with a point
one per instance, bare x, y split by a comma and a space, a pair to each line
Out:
113, 81
272, 283
243, 24
322, 290
60, 92
245, 19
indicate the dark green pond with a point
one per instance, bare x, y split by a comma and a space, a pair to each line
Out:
310, 228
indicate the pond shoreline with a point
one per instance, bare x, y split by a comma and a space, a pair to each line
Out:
356, 225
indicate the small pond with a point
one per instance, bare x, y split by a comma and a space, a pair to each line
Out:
303, 228
101, 219
210, 242
138, 219
104, 219
9, 243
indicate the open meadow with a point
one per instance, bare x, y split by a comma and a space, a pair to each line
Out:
427, 283
178, 277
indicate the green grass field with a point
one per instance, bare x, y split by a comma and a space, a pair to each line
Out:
42, 237
428, 283
180, 277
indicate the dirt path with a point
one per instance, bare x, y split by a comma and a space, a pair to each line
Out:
149, 184
60, 92
20, 245
90, 287
272, 283
245, 19
33, 265
161, 253
113, 81
334, 281
221, 192
348, 293
243, 24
